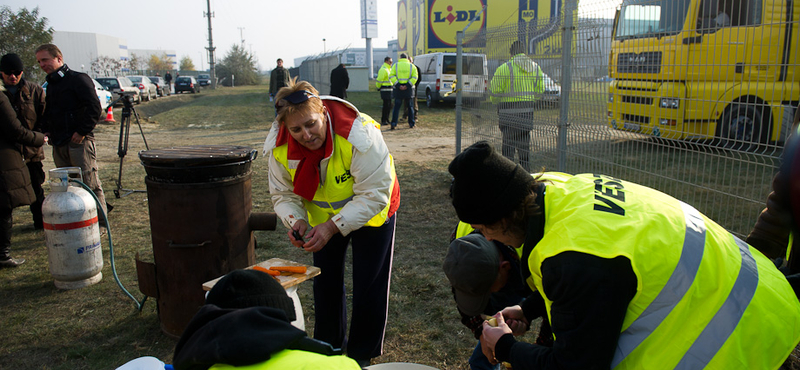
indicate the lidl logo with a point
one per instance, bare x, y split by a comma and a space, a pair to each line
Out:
447, 17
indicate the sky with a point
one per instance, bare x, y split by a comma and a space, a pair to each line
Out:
271, 29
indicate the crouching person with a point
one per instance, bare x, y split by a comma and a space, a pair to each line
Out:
246, 321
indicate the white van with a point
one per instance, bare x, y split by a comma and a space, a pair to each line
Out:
438, 75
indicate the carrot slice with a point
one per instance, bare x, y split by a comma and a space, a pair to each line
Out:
292, 269
263, 269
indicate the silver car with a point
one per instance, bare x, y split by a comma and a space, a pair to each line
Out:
146, 87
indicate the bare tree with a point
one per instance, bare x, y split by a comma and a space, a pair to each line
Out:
106, 66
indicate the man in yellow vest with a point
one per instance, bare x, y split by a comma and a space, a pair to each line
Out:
246, 321
514, 89
631, 278
384, 86
403, 76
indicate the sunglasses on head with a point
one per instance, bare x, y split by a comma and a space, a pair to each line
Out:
15, 73
296, 97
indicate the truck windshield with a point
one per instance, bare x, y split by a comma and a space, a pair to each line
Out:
651, 18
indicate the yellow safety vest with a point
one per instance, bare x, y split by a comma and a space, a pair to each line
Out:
705, 299
513, 84
297, 360
383, 76
403, 72
337, 187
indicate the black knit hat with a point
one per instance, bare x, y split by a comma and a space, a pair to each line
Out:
486, 186
250, 288
11, 63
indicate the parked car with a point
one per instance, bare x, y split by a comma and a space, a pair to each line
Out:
121, 86
146, 87
186, 83
204, 79
103, 95
552, 93
161, 85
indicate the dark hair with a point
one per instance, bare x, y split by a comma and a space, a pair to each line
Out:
279, 60
403, 55
517, 47
517, 220
387, 59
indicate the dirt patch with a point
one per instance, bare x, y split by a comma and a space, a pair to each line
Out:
419, 144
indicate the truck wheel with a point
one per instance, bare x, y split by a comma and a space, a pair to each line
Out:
429, 99
741, 127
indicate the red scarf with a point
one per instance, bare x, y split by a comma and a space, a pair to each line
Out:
306, 179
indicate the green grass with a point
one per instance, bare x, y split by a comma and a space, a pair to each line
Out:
99, 327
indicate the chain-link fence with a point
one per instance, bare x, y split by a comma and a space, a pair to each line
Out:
317, 71
691, 97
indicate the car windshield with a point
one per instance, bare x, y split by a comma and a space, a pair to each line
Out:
109, 82
649, 18
183, 79
203, 76
135, 79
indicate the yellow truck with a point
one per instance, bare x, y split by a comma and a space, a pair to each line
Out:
705, 69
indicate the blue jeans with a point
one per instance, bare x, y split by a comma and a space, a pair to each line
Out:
479, 362
398, 104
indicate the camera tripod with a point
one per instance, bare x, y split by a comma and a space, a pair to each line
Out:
124, 131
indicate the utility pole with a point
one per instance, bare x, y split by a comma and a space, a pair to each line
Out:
241, 36
210, 47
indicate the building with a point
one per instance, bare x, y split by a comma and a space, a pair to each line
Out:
102, 55
81, 49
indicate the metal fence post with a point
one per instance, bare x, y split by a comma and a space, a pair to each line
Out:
566, 83
459, 84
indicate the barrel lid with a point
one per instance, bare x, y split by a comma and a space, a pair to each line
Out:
197, 163
196, 155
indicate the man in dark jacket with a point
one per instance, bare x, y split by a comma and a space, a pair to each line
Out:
27, 98
780, 220
168, 79
278, 78
15, 182
73, 111
340, 81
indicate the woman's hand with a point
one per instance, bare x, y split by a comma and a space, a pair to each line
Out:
300, 227
491, 335
320, 235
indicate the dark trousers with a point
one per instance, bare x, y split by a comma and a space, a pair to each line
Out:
386, 109
373, 248
5, 232
398, 104
516, 130
37, 179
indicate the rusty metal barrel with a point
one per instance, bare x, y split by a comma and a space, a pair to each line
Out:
200, 206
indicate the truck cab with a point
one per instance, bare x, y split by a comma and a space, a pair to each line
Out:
706, 69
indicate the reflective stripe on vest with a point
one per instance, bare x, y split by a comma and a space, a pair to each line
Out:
726, 319
394, 75
383, 76
702, 295
337, 190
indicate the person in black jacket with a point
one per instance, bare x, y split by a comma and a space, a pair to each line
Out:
246, 321
27, 98
340, 81
15, 182
73, 111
